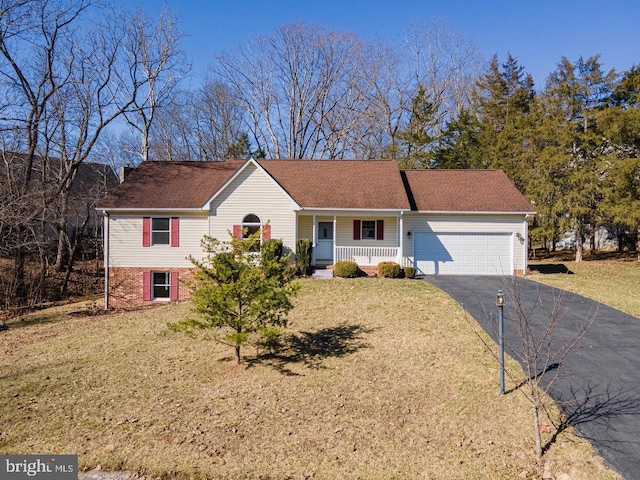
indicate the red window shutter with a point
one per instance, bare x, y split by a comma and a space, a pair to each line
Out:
356, 229
175, 231
237, 232
146, 286
266, 232
146, 231
380, 230
173, 288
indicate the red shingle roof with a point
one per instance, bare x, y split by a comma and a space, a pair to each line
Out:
171, 184
353, 184
331, 184
465, 191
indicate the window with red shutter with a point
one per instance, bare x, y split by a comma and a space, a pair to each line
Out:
146, 231
266, 232
380, 230
356, 229
175, 231
173, 278
146, 286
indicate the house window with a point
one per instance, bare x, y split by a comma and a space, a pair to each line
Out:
368, 230
250, 225
160, 286
160, 231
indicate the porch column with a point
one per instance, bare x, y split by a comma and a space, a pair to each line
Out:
313, 242
400, 229
335, 250
525, 263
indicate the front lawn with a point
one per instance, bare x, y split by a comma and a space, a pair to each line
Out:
613, 281
380, 379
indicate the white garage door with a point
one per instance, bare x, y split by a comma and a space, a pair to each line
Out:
463, 253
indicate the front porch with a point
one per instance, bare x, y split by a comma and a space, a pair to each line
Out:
361, 238
368, 256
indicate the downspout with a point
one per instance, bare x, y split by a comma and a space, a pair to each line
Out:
526, 245
335, 231
105, 248
314, 235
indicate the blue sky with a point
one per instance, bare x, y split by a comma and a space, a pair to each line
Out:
537, 33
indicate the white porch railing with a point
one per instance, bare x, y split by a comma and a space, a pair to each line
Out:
367, 256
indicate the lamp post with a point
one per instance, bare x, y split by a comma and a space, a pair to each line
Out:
500, 304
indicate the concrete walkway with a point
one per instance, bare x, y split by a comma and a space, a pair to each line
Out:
598, 387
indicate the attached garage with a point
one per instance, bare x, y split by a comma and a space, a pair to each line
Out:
463, 253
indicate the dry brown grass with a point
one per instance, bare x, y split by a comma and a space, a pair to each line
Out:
382, 379
614, 281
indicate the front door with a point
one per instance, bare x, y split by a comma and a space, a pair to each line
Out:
324, 244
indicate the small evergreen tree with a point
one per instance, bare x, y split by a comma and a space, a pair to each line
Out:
234, 291
303, 256
417, 140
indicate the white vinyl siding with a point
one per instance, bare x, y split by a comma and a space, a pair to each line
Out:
125, 242
305, 226
253, 191
509, 225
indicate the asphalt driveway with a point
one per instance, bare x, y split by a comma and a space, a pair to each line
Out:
598, 386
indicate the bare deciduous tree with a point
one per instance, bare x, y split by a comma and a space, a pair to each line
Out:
157, 64
206, 125
62, 82
445, 63
298, 88
219, 120
533, 339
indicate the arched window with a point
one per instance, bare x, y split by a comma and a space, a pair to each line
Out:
250, 225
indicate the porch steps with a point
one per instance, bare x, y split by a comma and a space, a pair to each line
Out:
322, 273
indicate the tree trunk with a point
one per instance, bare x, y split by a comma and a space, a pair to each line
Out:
67, 275
536, 424
619, 234
638, 246
63, 236
20, 286
592, 239
579, 244
237, 354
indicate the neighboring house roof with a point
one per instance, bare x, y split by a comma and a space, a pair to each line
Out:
324, 184
464, 191
90, 177
93, 177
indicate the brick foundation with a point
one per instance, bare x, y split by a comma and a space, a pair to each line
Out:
371, 271
125, 286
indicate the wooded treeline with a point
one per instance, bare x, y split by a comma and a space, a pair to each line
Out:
68, 70
71, 70
571, 146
